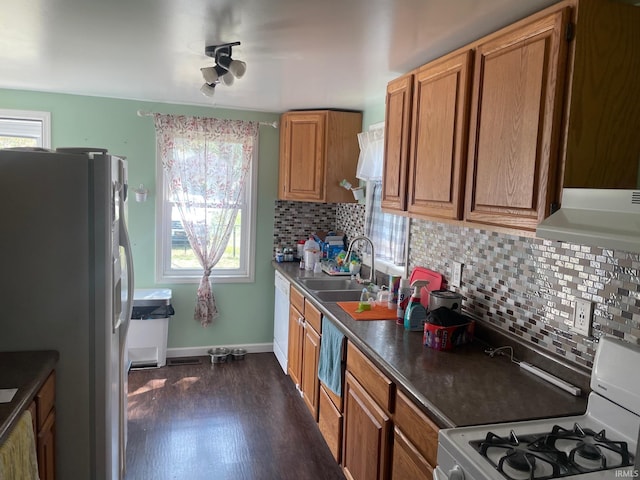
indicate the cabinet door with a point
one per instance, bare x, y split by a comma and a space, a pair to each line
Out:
439, 135
515, 124
366, 436
396, 144
330, 423
294, 358
407, 461
302, 156
310, 357
46, 451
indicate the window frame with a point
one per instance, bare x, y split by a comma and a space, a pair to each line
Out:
32, 115
245, 273
383, 265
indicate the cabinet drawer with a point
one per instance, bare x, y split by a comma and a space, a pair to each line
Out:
370, 377
330, 423
407, 461
296, 298
45, 400
313, 317
417, 427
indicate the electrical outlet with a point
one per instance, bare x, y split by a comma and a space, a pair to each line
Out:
582, 317
456, 274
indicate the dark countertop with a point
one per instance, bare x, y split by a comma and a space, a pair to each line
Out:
460, 387
25, 371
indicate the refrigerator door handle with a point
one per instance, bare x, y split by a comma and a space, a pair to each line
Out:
126, 244
124, 329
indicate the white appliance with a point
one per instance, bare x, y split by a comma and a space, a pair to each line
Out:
66, 285
607, 218
281, 320
596, 445
149, 328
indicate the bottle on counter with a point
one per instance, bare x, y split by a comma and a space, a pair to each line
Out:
415, 314
394, 286
404, 292
311, 253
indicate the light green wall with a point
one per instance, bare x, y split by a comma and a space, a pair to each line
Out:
246, 310
373, 113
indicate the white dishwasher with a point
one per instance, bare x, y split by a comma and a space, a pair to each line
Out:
281, 320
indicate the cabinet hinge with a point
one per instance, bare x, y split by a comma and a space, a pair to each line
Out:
571, 27
554, 207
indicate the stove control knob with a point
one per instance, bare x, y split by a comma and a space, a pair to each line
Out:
456, 473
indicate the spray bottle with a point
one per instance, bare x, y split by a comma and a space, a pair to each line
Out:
415, 314
404, 292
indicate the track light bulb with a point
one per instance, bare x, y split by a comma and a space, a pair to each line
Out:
208, 90
227, 79
209, 74
237, 68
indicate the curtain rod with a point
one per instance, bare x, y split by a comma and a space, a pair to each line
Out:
142, 113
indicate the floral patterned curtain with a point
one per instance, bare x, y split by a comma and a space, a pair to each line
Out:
206, 161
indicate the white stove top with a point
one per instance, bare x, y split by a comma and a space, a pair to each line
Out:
500, 457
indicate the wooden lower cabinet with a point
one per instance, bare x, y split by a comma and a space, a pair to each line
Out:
305, 325
46, 443
407, 462
44, 427
310, 357
415, 445
296, 337
330, 422
367, 434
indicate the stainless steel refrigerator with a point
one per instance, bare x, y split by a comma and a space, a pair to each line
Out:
66, 284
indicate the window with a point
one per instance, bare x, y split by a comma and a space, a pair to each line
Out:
206, 200
24, 128
388, 232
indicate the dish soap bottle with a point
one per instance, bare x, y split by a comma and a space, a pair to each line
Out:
415, 314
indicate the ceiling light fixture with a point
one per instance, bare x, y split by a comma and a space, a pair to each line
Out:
225, 71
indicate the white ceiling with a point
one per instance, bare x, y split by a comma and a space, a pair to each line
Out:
299, 53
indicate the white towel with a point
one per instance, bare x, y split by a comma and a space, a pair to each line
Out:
18, 459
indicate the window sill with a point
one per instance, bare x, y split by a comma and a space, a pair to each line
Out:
214, 279
383, 266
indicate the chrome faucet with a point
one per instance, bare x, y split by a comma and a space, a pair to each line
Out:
372, 273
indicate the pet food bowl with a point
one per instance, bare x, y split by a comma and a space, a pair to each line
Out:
219, 354
238, 353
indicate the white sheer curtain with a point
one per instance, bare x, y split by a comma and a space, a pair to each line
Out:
386, 231
206, 161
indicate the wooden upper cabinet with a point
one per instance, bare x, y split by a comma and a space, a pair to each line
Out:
602, 141
396, 144
439, 135
318, 149
515, 123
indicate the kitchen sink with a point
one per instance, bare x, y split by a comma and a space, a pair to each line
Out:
338, 295
319, 284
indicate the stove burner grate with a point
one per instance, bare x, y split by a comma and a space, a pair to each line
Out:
586, 453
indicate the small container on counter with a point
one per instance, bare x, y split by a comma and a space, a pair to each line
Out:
445, 329
288, 254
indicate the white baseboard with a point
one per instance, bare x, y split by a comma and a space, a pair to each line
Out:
202, 351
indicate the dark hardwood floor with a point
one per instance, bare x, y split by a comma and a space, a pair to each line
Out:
240, 420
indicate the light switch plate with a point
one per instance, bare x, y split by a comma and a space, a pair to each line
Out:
582, 313
456, 274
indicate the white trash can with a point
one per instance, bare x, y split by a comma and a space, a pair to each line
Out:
147, 339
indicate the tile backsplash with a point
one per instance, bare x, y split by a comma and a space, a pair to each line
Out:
527, 286
521, 285
297, 220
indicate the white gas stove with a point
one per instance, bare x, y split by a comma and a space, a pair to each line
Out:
600, 444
